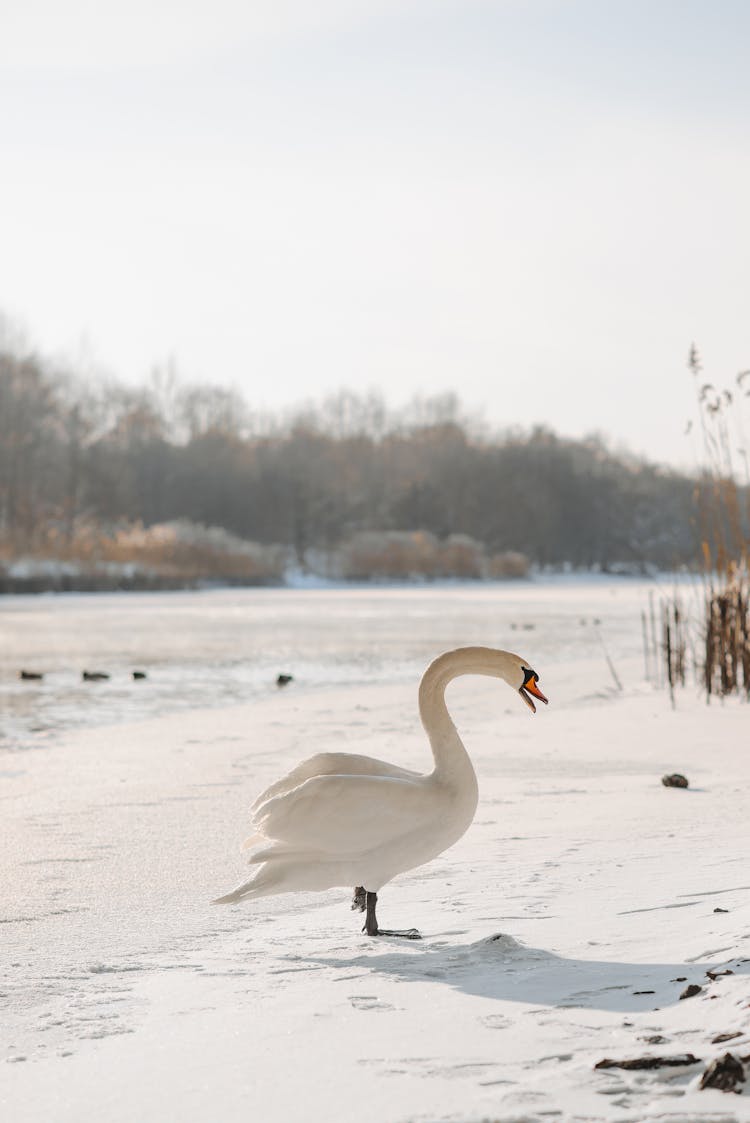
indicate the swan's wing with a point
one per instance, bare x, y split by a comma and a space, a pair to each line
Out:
340, 816
331, 764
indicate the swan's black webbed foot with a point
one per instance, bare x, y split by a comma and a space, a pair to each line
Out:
406, 934
359, 900
371, 923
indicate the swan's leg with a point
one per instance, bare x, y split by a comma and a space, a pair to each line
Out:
359, 900
371, 923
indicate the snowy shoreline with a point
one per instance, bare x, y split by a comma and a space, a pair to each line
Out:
129, 997
39, 577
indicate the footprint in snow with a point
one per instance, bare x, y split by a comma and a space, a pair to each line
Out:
495, 1021
369, 1002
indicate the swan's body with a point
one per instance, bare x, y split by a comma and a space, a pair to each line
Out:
344, 819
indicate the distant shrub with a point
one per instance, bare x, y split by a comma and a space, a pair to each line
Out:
180, 550
509, 564
401, 554
188, 549
389, 554
461, 556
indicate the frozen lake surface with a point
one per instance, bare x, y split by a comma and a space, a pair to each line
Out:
220, 647
562, 929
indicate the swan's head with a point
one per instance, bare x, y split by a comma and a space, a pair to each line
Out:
529, 688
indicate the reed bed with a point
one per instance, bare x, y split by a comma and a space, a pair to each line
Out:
726, 665
721, 655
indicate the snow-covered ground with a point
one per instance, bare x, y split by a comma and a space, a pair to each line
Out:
560, 930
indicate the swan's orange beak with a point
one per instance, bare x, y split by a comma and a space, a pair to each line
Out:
530, 687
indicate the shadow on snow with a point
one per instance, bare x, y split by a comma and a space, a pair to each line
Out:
501, 968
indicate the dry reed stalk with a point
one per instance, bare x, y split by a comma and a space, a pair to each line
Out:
668, 657
674, 643
646, 659
654, 644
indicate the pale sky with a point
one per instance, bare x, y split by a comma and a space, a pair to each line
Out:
538, 204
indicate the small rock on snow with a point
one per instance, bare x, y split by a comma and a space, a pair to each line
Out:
650, 1062
723, 1073
688, 992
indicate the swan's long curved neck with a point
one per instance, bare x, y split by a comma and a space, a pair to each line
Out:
452, 762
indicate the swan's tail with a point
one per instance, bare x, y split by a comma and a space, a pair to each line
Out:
263, 883
287, 873
241, 893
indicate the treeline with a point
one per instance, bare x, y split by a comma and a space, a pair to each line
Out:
77, 453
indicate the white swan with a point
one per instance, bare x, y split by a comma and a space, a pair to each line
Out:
345, 819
